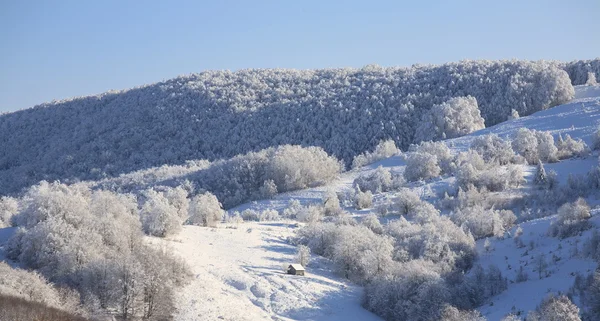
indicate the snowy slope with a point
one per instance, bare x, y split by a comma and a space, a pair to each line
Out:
238, 275
579, 119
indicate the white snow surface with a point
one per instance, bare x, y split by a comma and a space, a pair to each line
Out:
239, 275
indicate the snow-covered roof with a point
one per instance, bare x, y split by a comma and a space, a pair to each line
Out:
297, 267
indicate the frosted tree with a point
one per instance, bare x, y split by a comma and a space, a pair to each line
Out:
569, 147
159, 217
456, 117
380, 180
363, 199
571, 219
421, 166
331, 203
555, 308
451, 313
303, 255
540, 178
591, 79
8, 208
383, 150
547, 151
205, 210
525, 143
513, 115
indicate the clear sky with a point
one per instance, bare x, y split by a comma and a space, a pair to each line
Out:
63, 48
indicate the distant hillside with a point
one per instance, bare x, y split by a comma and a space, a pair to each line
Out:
219, 114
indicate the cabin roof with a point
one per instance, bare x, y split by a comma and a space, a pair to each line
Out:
297, 267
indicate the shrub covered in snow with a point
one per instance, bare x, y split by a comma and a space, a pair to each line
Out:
421, 166
571, 219
164, 212
555, 308
493, 149
483, 222
569, 147
456, 117
380, 180
383, 150
8, 208
205, 210
363, 200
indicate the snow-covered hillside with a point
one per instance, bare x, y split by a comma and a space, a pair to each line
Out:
232, 266
418, 259
239, 275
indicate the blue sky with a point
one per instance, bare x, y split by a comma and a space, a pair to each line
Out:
60, 49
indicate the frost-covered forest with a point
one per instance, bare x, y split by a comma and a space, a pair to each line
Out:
178, 198
219, 114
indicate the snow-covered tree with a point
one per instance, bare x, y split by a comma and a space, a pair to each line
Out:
383, 150
571, 219
555, 308
456, 117
159, 216
568, 147
493, 149
421, 166
363, 200
331, 203
303, 255
591, 79
205, 210
513, 115
8, 208
525, 143
380, 180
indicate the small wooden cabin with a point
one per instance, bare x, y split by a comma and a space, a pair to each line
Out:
295, 269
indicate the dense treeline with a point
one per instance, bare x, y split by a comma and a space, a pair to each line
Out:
219, 114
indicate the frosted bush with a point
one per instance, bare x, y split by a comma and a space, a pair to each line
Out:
484, 222
456, 117
596, 139
331, 203
262, 174
268, 215
292, 209
383, 150
571, 219
363, 200
439, 149
161, 216
513, 115
493, 149
8, 208
591, 79
569, 147
380, 180
421, 166
310, 214
525, 143
547, 151
250, 215
205, 210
